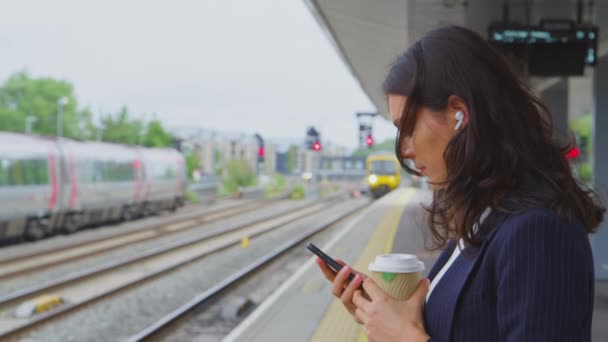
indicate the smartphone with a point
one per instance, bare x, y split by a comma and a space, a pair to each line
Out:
333, 264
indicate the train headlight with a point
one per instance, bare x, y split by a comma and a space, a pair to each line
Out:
373, 179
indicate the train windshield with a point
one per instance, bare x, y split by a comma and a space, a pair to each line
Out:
383, 167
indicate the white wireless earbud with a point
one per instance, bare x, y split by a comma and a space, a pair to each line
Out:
460, 118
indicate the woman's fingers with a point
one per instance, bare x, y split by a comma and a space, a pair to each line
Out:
340, 281
347, 296
354, 271
330, 274
360, 298
360, 316
419, 297
341, 288
327, 272
363, 276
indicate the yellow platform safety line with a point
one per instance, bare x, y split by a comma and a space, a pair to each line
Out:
337, 324
46, 302
38, 305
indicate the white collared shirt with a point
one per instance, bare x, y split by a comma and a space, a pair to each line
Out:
453, 257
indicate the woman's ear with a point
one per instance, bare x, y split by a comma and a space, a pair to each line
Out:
458, 112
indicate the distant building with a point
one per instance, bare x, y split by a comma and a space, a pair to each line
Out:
214, 149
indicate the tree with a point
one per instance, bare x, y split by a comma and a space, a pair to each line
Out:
192, 163
119, 128
22, 96
219, 162
582, 128
291, 158
156, 136
237, 174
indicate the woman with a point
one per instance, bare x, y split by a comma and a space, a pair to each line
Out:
513, 222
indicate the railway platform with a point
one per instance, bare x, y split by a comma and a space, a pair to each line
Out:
303, 309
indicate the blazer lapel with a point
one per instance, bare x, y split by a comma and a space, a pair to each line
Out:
443, 258
454, 280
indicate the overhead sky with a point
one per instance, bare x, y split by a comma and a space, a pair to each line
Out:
227, 65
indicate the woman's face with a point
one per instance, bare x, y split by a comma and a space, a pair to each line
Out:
432, 133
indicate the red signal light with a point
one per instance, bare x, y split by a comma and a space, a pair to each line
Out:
574, 153
369, 140
316, 146
261, 152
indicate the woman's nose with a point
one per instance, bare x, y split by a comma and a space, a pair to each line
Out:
407, 151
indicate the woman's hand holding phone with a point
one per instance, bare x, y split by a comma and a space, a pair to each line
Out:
341, 287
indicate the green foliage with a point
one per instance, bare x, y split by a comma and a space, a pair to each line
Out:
156, 136
120, 128
192, 197
585, 172
237, 174
22, 96
291, 158
219, 161
192, 163
276, 186
298, 192
582, 125
387, 145
582, 128
222, 191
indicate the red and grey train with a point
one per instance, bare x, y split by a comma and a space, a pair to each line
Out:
50, 185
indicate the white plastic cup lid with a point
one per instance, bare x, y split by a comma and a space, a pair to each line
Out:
396, 263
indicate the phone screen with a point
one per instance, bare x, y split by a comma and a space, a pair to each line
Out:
333, 264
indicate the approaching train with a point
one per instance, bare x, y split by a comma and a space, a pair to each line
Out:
383, 173
50, 185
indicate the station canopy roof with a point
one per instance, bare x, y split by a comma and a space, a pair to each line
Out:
369, 35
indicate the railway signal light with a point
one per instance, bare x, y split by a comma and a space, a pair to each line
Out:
313, 139
574, 153
261, 151
366, 121
369, 141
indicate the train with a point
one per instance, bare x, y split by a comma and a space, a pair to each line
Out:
383, 173
52, 185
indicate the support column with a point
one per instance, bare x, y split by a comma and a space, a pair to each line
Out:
556, 97
599, 139
600, 163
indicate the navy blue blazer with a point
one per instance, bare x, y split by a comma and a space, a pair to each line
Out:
530, 280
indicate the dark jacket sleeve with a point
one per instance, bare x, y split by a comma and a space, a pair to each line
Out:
545, 280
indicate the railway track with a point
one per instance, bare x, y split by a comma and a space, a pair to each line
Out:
24, 264
198, 304
79, 290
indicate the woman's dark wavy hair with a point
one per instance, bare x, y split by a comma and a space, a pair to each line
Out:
505, 158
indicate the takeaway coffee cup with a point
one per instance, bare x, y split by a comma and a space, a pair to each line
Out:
397, 275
